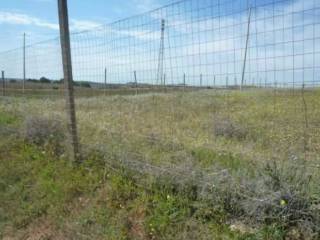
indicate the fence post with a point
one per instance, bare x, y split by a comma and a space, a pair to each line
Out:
136, 81
161, 54
24, 63
214, 81
164, 82
68, 79
105, 81
3, 84
246, 50
293, 85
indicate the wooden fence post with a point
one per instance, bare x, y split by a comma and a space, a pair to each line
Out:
68, 79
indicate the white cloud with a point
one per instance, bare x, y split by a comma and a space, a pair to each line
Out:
81, 25
14, 18
24, 19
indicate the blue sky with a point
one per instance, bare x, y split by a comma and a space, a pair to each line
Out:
201, 38
38, 18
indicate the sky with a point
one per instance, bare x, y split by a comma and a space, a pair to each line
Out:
205, 40
39, 18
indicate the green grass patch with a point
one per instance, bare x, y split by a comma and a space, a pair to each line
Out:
231, 161
7, 119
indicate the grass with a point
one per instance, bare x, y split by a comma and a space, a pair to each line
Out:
111, 195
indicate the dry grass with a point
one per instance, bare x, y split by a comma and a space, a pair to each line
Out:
269, 127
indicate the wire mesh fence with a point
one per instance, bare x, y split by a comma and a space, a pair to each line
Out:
205, 41
201, 53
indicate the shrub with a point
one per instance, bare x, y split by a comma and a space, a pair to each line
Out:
44, 80
225, 127
281, 195
45, 132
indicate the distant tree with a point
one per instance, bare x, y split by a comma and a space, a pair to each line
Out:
32, 80
44, 80
85, 85
81, 84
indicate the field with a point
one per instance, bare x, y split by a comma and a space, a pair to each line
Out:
207, 164
84, 89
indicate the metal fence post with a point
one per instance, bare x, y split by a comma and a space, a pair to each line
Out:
161, 55
24, 63
246, 50
105, 81
136, 81
68, 78
164, 82
3, 84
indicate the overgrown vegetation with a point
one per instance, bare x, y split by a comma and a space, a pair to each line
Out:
178, 166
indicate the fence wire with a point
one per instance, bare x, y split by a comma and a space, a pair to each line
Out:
204, 42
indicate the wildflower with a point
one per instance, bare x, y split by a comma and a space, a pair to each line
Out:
283, 202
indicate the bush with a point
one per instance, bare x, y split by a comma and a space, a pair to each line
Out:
227, 128
281, 195
44, 80
45, 132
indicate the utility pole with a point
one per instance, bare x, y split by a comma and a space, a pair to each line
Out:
246, 50
68, 79
200, 80
3, 84
24, 63
184, 82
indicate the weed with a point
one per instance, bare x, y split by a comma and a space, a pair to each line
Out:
44, 132
229, 129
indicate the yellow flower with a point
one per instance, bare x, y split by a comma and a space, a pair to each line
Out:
283, 202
